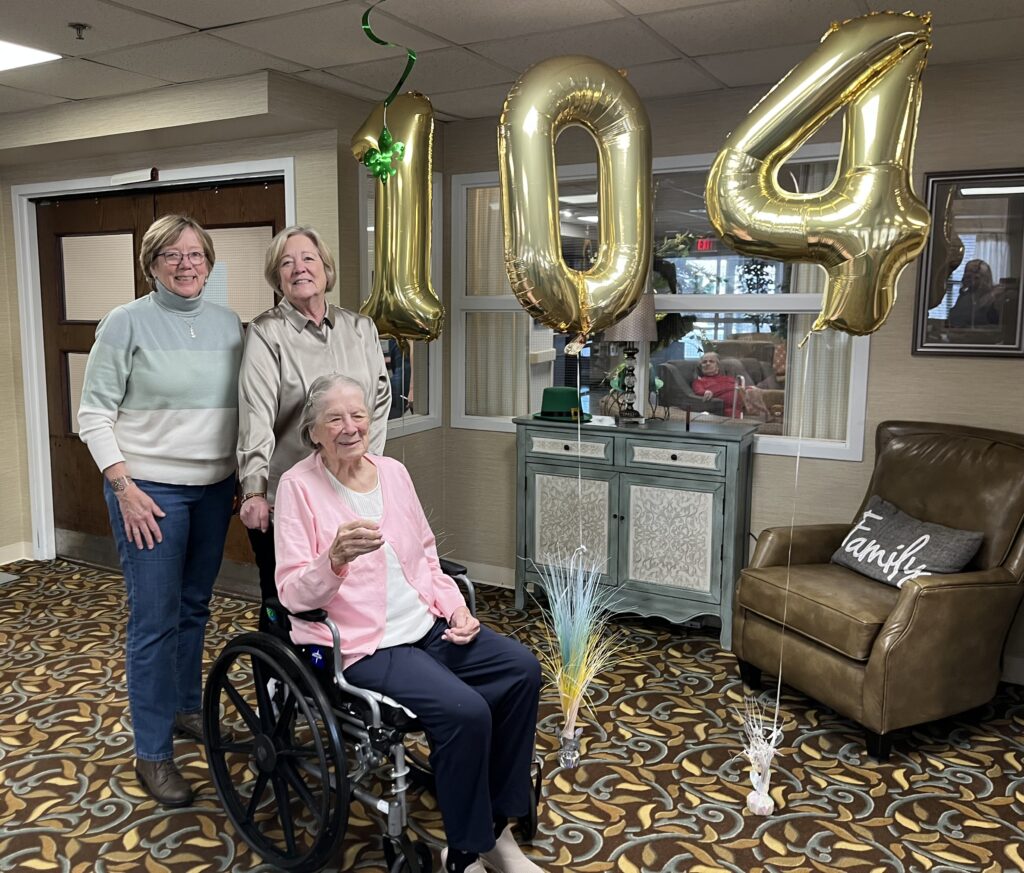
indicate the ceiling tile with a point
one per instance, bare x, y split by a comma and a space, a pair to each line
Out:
43, 24
13, 100
670, 78
959, 43
328, 37
78, 79
955, 11
466, 21
194, 57
326, 80
758, 67
472, 103
204, 13
621, 43
750, 24
437, 71
646, 7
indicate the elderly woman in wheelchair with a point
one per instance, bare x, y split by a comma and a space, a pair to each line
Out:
354, 549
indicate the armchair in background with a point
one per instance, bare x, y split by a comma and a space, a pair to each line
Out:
883, 656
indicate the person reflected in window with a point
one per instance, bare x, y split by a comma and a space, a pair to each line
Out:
400, 373
975, 305
712, 383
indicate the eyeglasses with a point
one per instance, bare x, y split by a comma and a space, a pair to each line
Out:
172, 259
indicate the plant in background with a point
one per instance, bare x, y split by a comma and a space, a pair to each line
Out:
579, 645
757, 277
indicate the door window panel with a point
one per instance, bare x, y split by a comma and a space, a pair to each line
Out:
236, 280
99, 274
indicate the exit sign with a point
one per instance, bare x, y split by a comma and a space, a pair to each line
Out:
707, 244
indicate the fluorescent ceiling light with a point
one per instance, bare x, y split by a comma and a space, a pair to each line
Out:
370, 229
566, 213
981, 192
13, 56
576, 199
587, 219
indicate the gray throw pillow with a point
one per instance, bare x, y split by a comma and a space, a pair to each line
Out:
888, 545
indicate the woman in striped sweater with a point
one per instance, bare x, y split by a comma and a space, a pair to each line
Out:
159, 414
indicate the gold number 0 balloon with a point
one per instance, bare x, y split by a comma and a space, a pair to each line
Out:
868, 224
402, 302
546, 99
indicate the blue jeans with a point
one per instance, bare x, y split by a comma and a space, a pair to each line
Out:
168, 591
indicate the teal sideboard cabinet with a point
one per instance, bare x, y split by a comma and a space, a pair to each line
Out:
665, 511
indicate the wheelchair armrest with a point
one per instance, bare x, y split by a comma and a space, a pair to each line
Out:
450, 568
310, 615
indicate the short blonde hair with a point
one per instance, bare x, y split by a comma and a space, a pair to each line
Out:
166, 230
275, 252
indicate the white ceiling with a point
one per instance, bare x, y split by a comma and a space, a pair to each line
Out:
470, 50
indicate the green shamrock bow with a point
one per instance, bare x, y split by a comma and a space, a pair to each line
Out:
379, 160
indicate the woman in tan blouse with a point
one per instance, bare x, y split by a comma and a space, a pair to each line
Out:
286, 349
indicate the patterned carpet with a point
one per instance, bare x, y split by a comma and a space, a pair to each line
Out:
658, 788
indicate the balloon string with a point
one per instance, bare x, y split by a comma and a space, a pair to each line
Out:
579, 452
792, 525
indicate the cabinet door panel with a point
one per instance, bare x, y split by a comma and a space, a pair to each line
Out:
672, 536
555, 510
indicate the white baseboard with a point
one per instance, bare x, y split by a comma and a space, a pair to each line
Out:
489, 574
15, 552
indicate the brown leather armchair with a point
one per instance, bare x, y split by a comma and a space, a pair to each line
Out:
885, 657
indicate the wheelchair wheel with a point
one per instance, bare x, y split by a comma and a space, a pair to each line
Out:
276, 755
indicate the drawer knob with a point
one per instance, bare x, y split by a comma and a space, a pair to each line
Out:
566, 447
675, 457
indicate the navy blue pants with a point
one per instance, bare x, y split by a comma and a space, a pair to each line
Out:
478, 705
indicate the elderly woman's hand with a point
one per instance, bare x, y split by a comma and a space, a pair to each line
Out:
708, 394
255, 513
462, 627
354, 538
140, 512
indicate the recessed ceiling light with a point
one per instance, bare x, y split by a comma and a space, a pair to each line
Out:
980, 192
13, 56
577, 199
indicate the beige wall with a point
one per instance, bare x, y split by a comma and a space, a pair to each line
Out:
971, 118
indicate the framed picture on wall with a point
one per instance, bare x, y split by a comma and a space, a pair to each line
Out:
969, 293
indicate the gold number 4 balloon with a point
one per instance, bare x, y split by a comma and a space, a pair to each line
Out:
402, 302
546, 99
869, 223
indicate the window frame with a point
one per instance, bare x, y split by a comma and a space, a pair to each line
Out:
417, 422
849, 449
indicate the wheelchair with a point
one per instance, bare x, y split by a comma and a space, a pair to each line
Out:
290, 743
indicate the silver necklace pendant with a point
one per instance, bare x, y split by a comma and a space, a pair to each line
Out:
191, 330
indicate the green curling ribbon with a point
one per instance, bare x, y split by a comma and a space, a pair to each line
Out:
379, 160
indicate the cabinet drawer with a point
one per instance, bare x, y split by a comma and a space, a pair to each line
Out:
592, 449
688, 456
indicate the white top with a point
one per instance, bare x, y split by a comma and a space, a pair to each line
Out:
408, 618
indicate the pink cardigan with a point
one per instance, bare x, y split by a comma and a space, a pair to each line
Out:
307, 513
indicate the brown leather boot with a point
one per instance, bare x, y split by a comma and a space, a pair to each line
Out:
190, 724
163, 781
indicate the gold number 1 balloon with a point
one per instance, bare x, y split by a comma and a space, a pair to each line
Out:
547, 98
402, 302
869, 223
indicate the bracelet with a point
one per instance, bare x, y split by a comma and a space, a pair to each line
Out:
252, 494
120, 484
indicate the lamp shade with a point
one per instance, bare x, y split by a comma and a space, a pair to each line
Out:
637, 327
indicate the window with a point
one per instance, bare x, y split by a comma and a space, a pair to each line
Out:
415, 374
752, 312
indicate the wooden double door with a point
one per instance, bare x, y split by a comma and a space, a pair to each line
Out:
88, 264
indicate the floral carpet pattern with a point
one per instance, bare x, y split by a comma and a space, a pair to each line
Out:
659, 787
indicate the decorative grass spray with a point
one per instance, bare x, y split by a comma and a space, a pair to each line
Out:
763, 737
579, 644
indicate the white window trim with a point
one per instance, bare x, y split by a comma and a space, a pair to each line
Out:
417, 422
849, 449
33, 368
